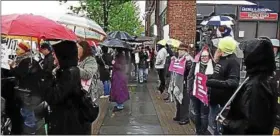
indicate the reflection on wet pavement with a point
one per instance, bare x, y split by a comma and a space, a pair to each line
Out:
138, 117
122, 130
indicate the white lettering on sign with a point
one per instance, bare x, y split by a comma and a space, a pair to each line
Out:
8, 50
256, 15
256, 9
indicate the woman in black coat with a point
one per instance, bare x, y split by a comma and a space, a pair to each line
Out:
64, 93
253, 111
105, 64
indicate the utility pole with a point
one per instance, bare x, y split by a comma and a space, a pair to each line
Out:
157, 19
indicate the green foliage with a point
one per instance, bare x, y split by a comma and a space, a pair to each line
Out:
120, 15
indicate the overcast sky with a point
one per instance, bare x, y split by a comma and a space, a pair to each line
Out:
45, 7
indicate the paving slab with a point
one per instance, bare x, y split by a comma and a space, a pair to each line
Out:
130, 130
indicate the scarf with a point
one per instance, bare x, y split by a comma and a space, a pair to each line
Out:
208, 71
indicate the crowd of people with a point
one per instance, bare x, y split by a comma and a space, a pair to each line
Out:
253, 109
50, 95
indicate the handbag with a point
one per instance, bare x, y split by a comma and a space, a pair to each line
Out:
89, 110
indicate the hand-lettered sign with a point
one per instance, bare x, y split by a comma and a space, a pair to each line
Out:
8, 49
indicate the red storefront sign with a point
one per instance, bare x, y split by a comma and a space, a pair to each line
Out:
258, 16
257, 13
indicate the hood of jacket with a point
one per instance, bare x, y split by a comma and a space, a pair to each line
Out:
66, 53
259, 57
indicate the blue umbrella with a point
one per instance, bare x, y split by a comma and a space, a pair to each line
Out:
218, 21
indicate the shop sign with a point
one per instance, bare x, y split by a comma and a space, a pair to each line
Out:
257, 13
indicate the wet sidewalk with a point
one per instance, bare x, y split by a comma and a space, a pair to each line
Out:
145, 113
138, 117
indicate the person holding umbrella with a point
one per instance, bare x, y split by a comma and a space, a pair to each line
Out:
119, 90
48, 64
28, 73
104, 66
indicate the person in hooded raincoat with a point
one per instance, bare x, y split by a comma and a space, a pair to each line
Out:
64, 94
253, 111
201, 110
119, 89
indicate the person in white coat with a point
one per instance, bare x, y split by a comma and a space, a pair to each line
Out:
159, 65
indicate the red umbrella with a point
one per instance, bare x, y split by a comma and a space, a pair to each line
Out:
35, 26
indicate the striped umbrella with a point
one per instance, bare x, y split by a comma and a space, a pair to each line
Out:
82, 26
121, 36
218, 21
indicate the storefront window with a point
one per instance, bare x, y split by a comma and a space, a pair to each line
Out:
163, 18
152, 29
204, 10
226, 10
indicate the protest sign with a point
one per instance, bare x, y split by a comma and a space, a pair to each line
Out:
8, 49
178, 66
201, 90
86, 84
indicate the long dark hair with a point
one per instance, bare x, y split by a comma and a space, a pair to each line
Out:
87, 50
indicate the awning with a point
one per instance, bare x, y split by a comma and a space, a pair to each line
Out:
218, 2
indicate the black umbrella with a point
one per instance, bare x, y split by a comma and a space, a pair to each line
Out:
114, 43
121, 36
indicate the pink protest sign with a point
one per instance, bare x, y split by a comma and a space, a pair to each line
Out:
178, 66
86, 84
201, 88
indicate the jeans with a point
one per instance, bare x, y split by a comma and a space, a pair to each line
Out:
146, 73
29, 120
143, 74
201, 112
214, 111
107, 87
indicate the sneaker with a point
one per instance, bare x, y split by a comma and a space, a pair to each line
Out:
104, 96
117, 109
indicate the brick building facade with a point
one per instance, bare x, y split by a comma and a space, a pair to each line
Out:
180, 15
